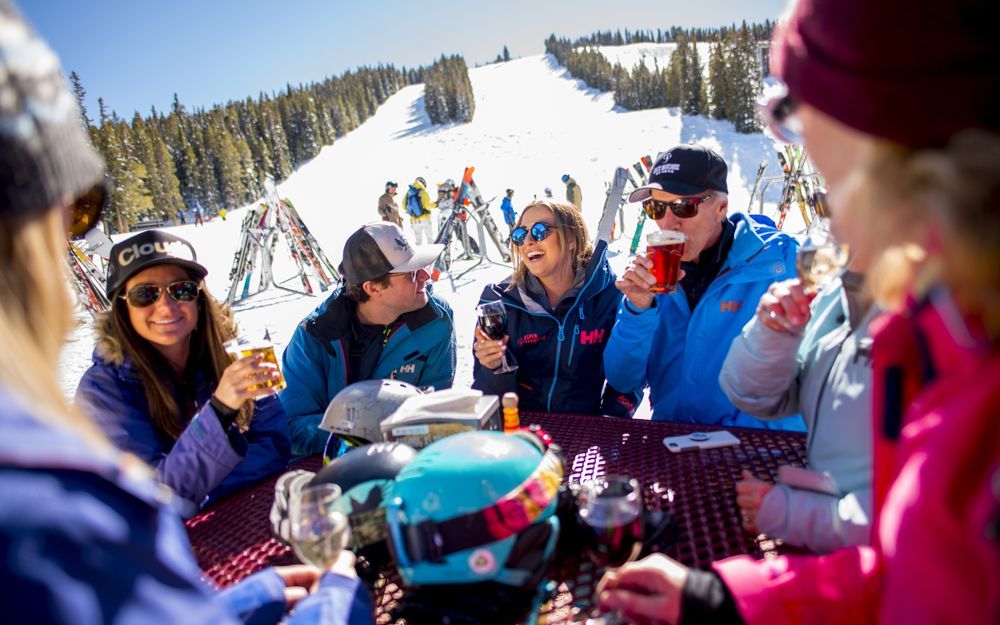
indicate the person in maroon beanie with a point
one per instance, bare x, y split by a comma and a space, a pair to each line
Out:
906, 131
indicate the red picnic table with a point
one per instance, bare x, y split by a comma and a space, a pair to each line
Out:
233, 539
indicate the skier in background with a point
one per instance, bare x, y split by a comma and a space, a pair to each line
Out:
181, 217
574, 195
548, 193
388, 210
507, 207
418, 207
199, 215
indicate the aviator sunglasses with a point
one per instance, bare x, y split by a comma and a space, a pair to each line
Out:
684, 208
143, 295
539, 230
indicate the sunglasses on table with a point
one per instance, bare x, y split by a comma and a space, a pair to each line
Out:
539, 230
684, 208
143, 295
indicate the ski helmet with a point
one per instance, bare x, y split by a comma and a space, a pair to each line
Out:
510, 191
365, 477
354, 414
477, 507
565, 177
422, 182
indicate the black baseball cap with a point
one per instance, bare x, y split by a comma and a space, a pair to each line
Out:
391, 184
149, 248
685, 170
382, 248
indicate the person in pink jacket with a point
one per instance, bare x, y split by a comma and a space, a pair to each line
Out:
908, 160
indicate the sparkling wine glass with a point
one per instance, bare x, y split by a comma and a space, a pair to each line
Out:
318, 532
821, 257
493, 321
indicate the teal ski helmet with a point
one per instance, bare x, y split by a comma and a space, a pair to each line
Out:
477, 507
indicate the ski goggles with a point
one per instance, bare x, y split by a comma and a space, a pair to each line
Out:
684, 208
143, 295
539, 230
778, 115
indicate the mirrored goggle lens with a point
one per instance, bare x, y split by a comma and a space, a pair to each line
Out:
539, 230
684, 208
146, 294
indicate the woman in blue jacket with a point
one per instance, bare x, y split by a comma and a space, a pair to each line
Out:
162, 386
561, 302
87, 535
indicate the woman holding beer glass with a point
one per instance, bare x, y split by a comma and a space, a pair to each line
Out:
162, 385
904, 167
561, 302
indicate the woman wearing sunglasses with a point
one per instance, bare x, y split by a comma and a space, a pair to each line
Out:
561, 302
162, 386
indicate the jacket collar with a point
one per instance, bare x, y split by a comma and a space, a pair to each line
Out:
589, 283
332, 321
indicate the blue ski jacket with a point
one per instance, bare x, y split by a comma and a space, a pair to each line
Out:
89, 537
205, 462
507, 208
419, 349
560, 353
678, 352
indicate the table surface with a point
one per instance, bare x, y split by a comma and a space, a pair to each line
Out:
232, 538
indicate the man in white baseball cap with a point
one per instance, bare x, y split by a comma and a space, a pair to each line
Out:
384, 323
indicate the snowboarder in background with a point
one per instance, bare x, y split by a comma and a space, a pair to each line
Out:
388, 210
507, 208
418, 207
574, 195
181, 217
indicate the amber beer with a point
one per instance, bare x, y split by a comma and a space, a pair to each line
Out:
241, 348
665, 248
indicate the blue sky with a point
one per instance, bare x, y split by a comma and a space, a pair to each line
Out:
138, 53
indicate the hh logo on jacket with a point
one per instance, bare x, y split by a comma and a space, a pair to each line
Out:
732, 305
594, 337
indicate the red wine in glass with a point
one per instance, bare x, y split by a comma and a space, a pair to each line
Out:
611, 518
493, 321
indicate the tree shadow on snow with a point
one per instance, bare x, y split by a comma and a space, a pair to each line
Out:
418, 124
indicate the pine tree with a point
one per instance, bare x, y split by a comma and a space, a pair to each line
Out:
506, 54
693, 91
718, 80
80, 94
744, 80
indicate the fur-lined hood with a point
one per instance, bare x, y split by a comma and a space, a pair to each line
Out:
108, 349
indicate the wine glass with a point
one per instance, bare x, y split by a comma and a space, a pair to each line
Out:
493, 321
821, 257
611, 515
318, 532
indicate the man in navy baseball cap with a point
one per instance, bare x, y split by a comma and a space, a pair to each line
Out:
675, 343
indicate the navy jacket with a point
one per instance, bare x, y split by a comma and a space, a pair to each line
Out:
88, 537
560, 355
205, 462
420, 350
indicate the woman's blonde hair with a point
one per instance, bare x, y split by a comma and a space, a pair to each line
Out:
35, 317
572, 235
947, 199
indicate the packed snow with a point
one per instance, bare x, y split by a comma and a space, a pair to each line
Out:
533, 123
654, 55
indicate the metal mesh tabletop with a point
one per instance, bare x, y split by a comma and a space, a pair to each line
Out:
232, 539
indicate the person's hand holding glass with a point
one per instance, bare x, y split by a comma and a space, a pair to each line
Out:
491, 338
821, 258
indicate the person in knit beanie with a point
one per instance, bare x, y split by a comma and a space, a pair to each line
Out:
898, 104
87, 535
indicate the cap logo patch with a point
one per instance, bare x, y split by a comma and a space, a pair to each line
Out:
402, 244
133, 252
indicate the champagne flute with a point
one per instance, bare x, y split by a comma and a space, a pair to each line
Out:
821, 257
493, 321
318, 532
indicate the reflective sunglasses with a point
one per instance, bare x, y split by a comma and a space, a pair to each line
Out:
143, 295
779, 116
539, 230
85, 212
685, 207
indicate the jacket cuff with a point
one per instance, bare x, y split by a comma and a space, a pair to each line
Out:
258, 598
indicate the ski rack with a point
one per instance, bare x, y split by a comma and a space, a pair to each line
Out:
483, 221
262, 228
88, 279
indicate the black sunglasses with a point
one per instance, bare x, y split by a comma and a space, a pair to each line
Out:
685, 207
539, 230
143, 295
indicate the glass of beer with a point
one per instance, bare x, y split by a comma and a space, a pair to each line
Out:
821, 257
611, 515
665, 248
241, 348
318, 532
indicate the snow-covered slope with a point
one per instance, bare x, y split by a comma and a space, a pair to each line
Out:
533, 123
